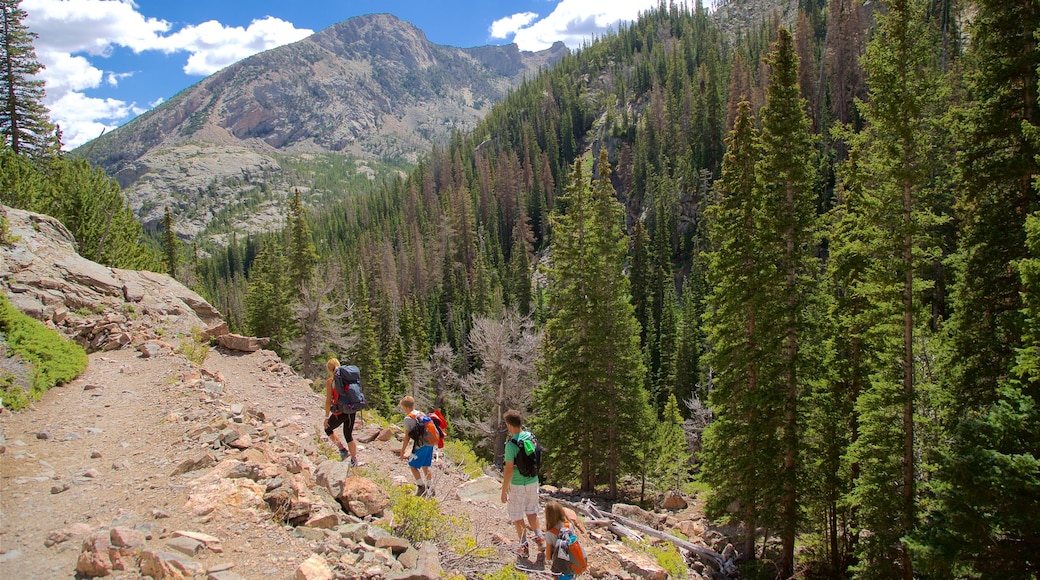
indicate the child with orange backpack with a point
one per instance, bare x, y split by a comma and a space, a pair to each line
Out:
562, 546
418, 427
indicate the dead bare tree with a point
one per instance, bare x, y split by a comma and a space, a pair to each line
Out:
326, 324
507, 349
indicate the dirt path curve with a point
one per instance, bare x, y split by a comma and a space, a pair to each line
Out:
100, 451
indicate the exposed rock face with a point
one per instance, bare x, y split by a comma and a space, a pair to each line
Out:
372, 87
102, 308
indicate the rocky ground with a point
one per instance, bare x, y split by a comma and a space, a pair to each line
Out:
162, 467
150, 465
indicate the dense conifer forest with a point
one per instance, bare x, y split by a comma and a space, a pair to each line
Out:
796, 269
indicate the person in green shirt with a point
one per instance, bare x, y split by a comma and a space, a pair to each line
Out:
519, 492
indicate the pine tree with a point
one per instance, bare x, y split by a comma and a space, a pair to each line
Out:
593, 364
93, 208
983, 521
896, 156
302, 256
365, 353
740, 448
786, 174
23, 117
832, 424
671, 458
171, 245
689, 339
267, 300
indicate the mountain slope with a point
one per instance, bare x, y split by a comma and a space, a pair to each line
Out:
372, 87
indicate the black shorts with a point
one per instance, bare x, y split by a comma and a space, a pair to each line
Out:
345, 419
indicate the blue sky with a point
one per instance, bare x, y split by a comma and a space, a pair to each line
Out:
108, 61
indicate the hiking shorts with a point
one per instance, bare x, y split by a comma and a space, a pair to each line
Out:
521, 501
421, 457
345, 419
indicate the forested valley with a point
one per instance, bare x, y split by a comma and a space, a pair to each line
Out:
795, 269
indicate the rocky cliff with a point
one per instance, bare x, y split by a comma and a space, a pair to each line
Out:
102, 308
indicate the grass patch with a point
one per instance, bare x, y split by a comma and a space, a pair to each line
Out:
461, 453
195, 347
669, 558
55, 361
325, 447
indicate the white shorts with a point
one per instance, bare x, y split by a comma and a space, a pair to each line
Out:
521, 501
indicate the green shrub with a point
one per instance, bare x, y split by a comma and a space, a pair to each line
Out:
460, 453
55, 360
669, 558
467, 546
195, 348
418, 519
13, 395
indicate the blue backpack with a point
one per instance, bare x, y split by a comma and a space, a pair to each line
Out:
347, 396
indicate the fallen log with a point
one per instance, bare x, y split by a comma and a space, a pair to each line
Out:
627, 528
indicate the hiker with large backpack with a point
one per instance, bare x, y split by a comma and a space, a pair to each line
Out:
343, 399
520, 482
424, 432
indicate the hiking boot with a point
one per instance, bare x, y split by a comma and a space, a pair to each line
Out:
343, 454
353, 462
420, 490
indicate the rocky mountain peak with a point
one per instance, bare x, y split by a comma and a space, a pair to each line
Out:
379, 36
372, 87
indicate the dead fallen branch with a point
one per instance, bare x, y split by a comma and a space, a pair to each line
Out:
626, 528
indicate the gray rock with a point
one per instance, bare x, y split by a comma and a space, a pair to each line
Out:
42, 264
185, 545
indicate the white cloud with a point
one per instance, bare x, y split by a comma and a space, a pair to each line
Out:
577, 21
214, 46
86, 115
69, 29
504, 27
113, 78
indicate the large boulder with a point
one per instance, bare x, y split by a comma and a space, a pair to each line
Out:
101, 308
358, 495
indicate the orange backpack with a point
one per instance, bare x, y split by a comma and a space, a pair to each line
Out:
569, 556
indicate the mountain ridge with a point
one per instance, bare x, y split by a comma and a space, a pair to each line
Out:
371, 87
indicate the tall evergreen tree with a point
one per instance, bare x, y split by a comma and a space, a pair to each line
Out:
786, 174
302, 256
171, 245
689, 339
983, 523
896, 155
739, 448
593, 363
671, 458
365, 353
23, 117
267, 300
